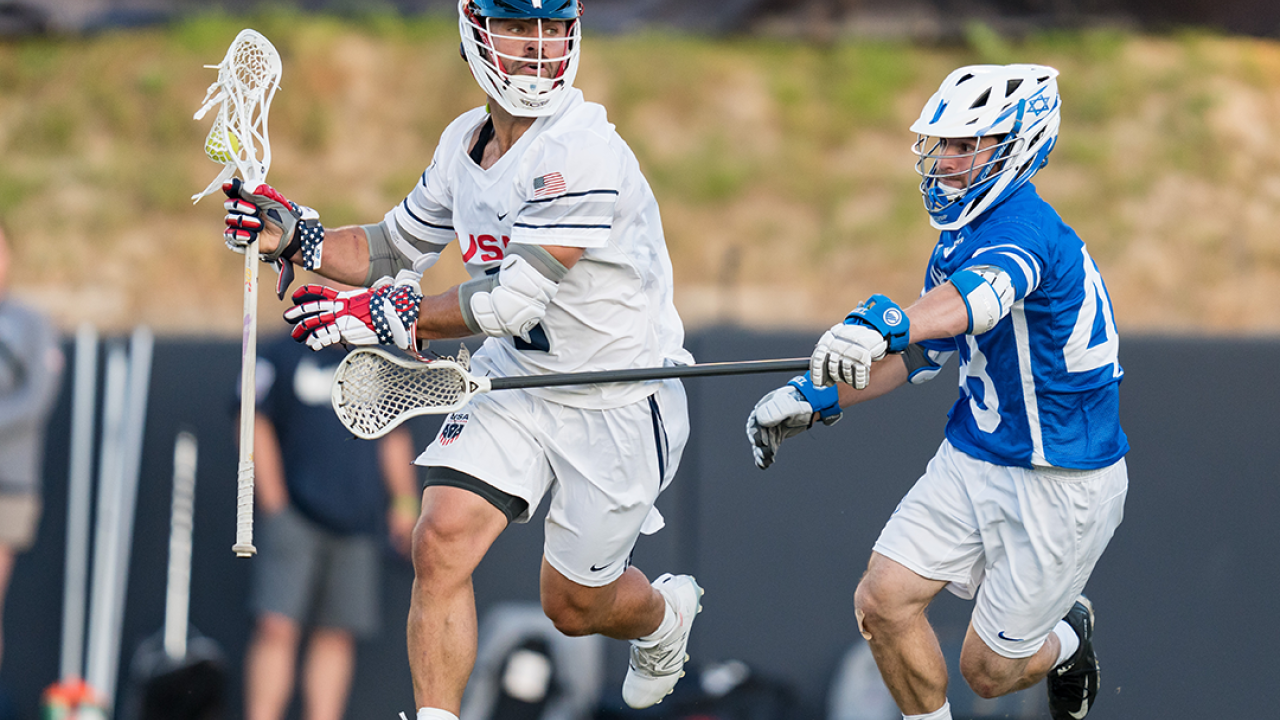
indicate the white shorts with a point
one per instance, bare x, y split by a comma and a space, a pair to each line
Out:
1024, 540
603, 468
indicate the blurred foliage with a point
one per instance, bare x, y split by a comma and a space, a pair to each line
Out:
783, 169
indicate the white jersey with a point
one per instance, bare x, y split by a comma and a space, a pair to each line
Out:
570, 180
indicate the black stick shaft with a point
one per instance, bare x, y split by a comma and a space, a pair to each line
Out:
662, 373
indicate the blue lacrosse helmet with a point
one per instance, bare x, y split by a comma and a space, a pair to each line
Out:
522, 93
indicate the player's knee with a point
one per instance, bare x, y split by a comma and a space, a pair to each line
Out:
983, 685
570, 621
573, 614
985, 673
440, 542
874, 609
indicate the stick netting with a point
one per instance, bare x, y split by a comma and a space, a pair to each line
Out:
247, 80
373, 393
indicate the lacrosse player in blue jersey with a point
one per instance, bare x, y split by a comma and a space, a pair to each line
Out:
1029, 484
561, 235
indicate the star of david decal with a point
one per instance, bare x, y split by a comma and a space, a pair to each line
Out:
1039, 105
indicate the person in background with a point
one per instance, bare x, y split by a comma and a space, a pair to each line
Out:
324, 499
31, 364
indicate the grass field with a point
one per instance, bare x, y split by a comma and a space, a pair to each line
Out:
783, 170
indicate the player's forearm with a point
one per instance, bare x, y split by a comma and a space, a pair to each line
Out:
940, 313
440, 317
346, 255
269, 483
886, 375
395, 456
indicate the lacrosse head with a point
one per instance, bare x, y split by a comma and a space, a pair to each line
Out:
375, 390
247, 80
529, 74
1016, 105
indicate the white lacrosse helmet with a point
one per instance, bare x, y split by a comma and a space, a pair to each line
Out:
521, 95
1017, 104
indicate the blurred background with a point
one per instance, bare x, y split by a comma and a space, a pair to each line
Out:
774, 134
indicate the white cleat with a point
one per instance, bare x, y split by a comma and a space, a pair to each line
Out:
653, 671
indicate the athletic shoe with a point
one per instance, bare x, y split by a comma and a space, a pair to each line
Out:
654, 671
1073, 685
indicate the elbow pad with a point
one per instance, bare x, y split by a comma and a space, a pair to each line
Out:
988, 295
387, 258
515, 300
923, 365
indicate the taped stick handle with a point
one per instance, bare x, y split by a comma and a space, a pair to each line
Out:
744, 367
243, 546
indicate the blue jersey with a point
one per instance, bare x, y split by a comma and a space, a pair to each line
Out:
1042, 386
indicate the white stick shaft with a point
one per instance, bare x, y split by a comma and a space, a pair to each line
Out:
248, 397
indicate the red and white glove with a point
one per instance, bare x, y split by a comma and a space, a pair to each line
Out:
385, 314
249, 210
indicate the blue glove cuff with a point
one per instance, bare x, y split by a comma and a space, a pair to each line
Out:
824, 400
885, 317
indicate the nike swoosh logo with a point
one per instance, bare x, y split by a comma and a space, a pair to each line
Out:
602, 567
1002, 636
503, 216
1084, 710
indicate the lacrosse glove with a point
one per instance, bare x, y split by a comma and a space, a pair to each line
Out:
302, 235
385, 314
787, 412
846, 351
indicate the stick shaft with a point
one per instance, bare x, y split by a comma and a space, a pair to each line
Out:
248, 396
662, 373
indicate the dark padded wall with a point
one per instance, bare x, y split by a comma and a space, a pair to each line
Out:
1185, 593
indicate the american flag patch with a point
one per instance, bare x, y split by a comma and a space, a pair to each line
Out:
548, 185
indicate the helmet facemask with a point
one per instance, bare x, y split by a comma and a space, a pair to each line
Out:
976, 179
530, 84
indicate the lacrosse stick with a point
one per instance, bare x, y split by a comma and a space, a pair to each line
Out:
247, 80
375, 390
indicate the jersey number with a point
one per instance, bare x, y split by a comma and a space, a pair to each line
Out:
1080, 357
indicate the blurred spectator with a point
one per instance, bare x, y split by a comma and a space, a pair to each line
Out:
30, 371
322, 510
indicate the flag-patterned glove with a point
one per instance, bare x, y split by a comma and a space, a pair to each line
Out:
302, 235
385, 314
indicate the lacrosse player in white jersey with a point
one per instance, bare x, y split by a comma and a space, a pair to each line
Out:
1029, 484
562, 237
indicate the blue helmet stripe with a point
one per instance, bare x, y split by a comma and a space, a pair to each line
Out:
541, 9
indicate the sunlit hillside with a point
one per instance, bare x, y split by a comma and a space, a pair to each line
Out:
784, 171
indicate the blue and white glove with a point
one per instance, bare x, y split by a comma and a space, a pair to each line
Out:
385, 314
248, 211
846, 351
787, 412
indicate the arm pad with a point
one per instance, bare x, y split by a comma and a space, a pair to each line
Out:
387, 260
988, 295
515, 299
